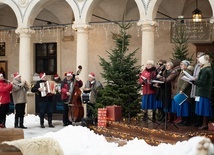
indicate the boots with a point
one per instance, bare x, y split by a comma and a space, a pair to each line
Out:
50, 121
205, 123
42, 122
16, 122
22, 123
145, 116
153, 115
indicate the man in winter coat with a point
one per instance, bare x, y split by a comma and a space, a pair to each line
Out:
19, 94
45, 102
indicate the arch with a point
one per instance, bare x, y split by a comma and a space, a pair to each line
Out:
36, 6
212, 5
153, 8
15, 9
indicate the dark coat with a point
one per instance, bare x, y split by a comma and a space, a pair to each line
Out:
35, 90
168, 77
204, 83
184, 86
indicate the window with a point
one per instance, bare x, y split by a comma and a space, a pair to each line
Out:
46, 58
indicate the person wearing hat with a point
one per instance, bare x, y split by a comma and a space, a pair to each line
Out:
93, 86
66, 93
5, 89
183, 110
198, 121
45, 102
204, 86
19, 94
148, 91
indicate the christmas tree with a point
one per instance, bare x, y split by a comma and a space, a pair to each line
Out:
180, 43
121, 76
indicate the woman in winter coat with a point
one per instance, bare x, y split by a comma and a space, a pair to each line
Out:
5, 89
204, 86
183, 110
148, 91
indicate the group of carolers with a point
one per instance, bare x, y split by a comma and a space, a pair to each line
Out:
19, 89
160, 84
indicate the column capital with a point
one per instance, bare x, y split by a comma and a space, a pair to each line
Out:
82, 26
212, 20
147, 25
24, 31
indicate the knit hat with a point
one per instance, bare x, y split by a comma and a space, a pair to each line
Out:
56, 76
42, 75
92, 75
16, 75
69, 73
204, 59
185, 62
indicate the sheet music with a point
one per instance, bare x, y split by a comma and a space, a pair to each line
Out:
185, 78
143, 77
188, 75
157, 81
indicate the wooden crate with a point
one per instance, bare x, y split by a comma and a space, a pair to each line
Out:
114, 113
10, 135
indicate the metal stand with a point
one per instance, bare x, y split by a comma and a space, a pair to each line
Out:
166, 124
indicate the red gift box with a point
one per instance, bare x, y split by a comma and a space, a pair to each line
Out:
102, 117
114, 113
211, 126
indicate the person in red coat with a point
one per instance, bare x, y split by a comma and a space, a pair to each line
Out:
66, 94
148, 91
5, 89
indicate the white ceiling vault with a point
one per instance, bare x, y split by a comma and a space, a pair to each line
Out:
27, 13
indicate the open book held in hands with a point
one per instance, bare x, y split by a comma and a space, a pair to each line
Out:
185, 78
180, 98
188, 75
157, 81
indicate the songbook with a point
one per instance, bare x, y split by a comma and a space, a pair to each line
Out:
157, 81
180, 98
143, 77
185, 78
188, 75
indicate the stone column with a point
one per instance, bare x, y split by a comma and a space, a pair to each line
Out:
25, 63
82, 49
82, 52
147, 28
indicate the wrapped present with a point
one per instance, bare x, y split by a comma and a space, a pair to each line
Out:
102, 117
211, 126
114, 113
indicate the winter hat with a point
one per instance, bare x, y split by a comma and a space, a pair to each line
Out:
16, 75
56, 76
42, 75
204, 59
92, 75
185, 62
69, 73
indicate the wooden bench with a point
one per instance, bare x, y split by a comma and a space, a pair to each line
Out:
10, 135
